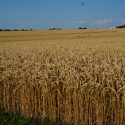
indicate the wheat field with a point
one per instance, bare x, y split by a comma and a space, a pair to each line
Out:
73, 76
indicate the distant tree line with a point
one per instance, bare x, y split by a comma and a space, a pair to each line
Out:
80, 28
54, 29
15, 30
123, 26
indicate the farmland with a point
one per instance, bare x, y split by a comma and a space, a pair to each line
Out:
61, 35
70, 76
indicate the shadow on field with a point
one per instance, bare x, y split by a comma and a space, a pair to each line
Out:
15, 119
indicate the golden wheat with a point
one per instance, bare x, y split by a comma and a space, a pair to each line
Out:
78, 81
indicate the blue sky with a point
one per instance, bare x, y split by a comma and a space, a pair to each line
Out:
44, 14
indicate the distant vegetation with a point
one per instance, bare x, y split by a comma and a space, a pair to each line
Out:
123, 26
54, 29
15, 29
80, 28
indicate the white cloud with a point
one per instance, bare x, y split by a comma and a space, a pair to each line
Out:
93, 22
103, 21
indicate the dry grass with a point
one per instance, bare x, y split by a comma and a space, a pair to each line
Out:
75, 80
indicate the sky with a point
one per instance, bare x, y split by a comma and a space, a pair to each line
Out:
65, 14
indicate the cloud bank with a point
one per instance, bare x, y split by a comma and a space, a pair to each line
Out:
93, 22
